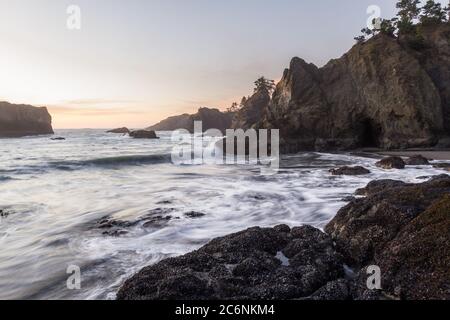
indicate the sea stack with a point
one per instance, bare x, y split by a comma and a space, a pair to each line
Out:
24, 120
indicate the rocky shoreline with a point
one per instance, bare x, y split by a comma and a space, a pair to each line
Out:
403, 229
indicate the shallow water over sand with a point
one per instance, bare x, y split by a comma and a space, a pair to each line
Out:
55, 192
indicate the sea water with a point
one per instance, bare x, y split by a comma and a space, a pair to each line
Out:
55, 192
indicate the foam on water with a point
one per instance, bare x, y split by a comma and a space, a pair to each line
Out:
53, 212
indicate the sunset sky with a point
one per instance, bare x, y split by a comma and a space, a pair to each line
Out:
136, 62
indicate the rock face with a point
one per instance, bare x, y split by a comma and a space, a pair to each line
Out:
402, 228
391, 163
143, 134
382, 93
24, 120
252, 111
211, 119
349, 171
119, 130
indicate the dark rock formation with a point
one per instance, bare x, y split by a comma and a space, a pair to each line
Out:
252, 110
23, 120
382, 93
417, 160
404, 229
379, 185
194, 214
445, 166
391, 163
119, 130
211, 119
58, 139
349, 171
116, 228
143, 134
276, 263
364, 226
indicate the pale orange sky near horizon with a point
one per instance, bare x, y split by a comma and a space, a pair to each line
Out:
137, 62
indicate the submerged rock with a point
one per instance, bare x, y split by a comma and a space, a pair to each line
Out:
143, 134
194, 214
391, 163
445, 166
417, 160
243, 265
349, 171
58, 139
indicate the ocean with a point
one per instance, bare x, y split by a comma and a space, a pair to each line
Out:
54, 195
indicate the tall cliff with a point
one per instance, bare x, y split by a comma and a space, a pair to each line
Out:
24, 120
382, 93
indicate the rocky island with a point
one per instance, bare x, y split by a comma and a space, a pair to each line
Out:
24, 120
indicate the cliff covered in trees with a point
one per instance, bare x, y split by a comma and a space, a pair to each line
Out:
389, 91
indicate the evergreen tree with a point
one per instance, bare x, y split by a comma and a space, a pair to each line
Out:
432, 12
263, 84
408, 12
234, 107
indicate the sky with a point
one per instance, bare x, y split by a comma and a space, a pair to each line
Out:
135, 62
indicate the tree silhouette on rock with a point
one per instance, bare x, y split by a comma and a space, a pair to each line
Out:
264, 85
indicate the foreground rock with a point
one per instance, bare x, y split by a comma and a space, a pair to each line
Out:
405, 230
119, 130
349, 171
23, 120
402, 228
143, 134
391, 163
277, 263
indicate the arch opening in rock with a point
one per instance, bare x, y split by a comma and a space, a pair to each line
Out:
370, 134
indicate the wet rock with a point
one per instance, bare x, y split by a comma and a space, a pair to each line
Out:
194, 214
349, 171
157, 221
445, 166
348, 199
363, 227
58, 139
416, 263
4, 213
391, 163
243, 265
143, 134
116, 228
417, 160
405, 230
378, 186
119, 130
333, 290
